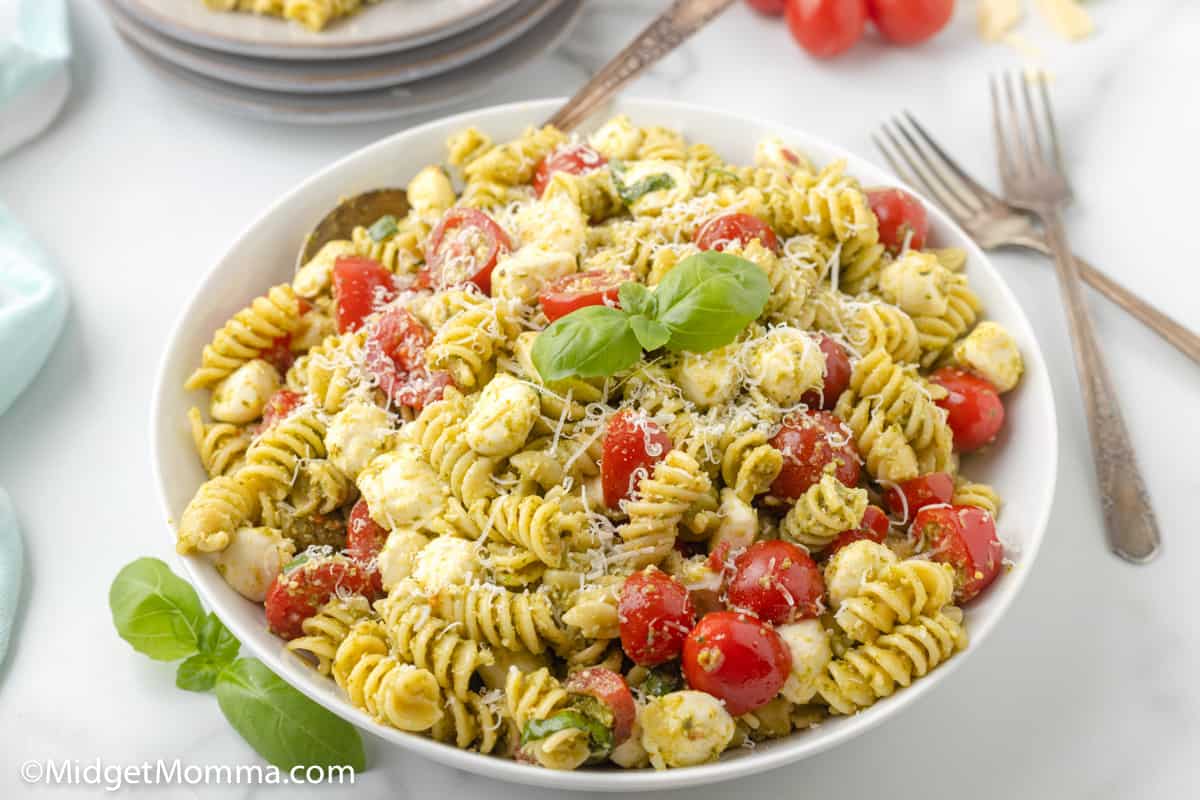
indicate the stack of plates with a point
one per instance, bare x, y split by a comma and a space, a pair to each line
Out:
393, 58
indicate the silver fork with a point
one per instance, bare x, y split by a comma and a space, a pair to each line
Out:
1034, 178
992, 222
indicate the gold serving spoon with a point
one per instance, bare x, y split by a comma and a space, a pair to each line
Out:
682, 19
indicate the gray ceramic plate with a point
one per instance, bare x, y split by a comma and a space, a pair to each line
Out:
378, 104
351, 75
386, 27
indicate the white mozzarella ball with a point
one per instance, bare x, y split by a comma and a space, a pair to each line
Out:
708, 379
739, 523
357, 434
618, 139
398, 556
917, 283
431, 191
683, 729
502, 418
670, 184
446, 561
252, 561
784, 364
401, 488
553, 223
991, 351
523, 274
242, 396
808, 642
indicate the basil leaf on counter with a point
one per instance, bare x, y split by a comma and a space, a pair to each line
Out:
709, 298
590, 342
281, 724
155, 610
198, 673
217, 642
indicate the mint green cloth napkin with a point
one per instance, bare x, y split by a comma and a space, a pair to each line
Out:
35, 49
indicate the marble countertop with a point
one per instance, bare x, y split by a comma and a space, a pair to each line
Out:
1087, 689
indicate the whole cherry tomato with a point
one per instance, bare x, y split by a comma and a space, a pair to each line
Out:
576, 159
736, 658
360, 287
965, 538
912, 495
298, 592
901, 217
655, 613
826, 28
837, 375
464, 248
740, 229
974, 411
810, 442
597, 287
633, 444
910, 21
777, 581
610, 689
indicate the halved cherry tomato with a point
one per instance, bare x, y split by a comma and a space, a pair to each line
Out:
876, 521
364, 540
740, 229
772, 8
279, 406
736, 658
776, 581
810, 442
912, 495
464, 248
576, 159
826, 28
837, 375
974, 410
297, 593
361, 287
910, 21
874, 526
395, 356
965, 538
597, 287
610, 689
655, 613
899, 214
633, 444
279, 355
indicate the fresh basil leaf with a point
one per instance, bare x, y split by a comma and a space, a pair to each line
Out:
651, 334
636, 298
632, 192
601, 737
217, 642
709, 298
199, 673
155, 610
384, 227
661, 681
281, 724
590, 342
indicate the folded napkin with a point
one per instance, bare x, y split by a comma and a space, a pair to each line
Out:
35, 49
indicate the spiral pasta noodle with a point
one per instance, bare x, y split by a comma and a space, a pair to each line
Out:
220, 445
331, 370
536, 697
220, 506
440, 430
501, 618
536, 523
826, 509
251, 331
474, 723
467, 344
394, 692
980, 495
939, 332
277, 455
902, 592
655, 513
328, 628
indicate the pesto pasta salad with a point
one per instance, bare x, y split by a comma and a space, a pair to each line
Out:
312, 14
609, 450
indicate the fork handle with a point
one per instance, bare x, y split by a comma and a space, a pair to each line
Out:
1128, 516
1175, 334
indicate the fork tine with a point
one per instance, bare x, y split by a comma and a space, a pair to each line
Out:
893, 162
939, 174
1034, 126
981, 193
1048, 113
1024, 158
1003, 156
936, 188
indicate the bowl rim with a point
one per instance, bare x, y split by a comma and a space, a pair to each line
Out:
781, 752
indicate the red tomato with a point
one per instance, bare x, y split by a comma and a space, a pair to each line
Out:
740, 229
973, 406
361, 287
964, 537
296, 594
395, 356
279, 406
910, 21
633, 444
809, 442
655, 614
772, 8
576, 159
611, 689
899, 214
876, 522
837, 375
597, 287
874, 526
736, 658
464, 248
364, 536
777, 581
279, 355
933, 489
826, 28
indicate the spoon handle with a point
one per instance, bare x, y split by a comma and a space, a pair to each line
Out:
664, 34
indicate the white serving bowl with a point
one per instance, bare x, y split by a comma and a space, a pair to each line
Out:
1022, 466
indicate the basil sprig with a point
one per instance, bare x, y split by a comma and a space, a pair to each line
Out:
701, 304
159, 614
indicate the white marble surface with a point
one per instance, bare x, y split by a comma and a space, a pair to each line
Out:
1087, 689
